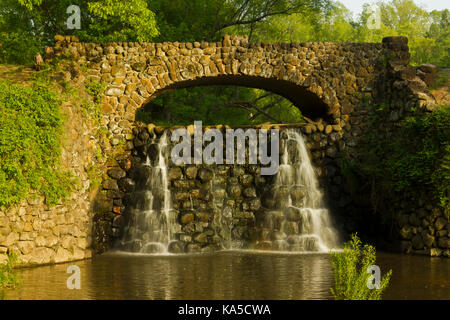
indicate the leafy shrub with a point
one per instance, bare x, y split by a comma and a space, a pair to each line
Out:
18, 48
350, 272
8, 279
30, 143
422, 154
413, 159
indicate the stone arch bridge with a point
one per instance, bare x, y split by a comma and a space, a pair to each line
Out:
325, 80
333, 84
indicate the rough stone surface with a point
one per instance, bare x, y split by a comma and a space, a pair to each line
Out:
328, 80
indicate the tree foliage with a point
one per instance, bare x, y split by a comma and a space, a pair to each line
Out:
230, 105
413, 161
116, 20
428, 32
27, 26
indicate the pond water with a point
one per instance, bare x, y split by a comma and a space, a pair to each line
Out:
225, 275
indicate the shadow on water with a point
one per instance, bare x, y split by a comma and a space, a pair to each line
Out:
225, 275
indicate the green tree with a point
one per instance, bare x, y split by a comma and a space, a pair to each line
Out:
428, 32
27, 26
116, 20
179, 20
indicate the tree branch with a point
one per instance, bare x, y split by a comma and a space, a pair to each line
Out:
267, 107
265, 14
249, 106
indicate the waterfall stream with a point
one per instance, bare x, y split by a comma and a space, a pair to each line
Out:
296, 192
151, 218
287, 213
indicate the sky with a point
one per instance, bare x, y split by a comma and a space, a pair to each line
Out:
356, 5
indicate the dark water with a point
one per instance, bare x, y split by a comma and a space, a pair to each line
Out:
225, 275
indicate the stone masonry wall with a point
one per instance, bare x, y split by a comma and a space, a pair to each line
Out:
333, 84
387, 77
40, 234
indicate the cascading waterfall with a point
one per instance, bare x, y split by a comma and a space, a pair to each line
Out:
152, 221
306, 224
285, 212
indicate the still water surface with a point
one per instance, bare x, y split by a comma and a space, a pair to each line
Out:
225, 275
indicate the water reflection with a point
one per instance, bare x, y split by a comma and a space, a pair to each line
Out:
416, 277
225, 275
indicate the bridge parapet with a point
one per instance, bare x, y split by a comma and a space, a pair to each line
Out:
325, 80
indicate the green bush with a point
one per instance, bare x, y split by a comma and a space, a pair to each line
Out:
18, 48
8, 279
30, 143
422, 154
411, 161
350, 272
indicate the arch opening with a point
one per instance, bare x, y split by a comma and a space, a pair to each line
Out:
309, 104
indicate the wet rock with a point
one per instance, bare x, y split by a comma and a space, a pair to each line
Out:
210, 248
440, 223
280, 245
443, 242
181, 196
435, 252
406, 233
119, 222
202, 216
278, 235
136, 246
205, 174
254, 204
269, 202
191, 172
153, 152
139, 66
250, 192
62, 255
293, 214
116, 173
246, 180
175, 173
414, 220
102, 204
264, 245
291, 227
428, 68
200, 238
187, 218
193, 248
441, 233
42, 255
403, 220
110, 185
428, 239
234, 191
181, 184
417, 242
219, 194
153, 248
405, 246
297, 194
127, 185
